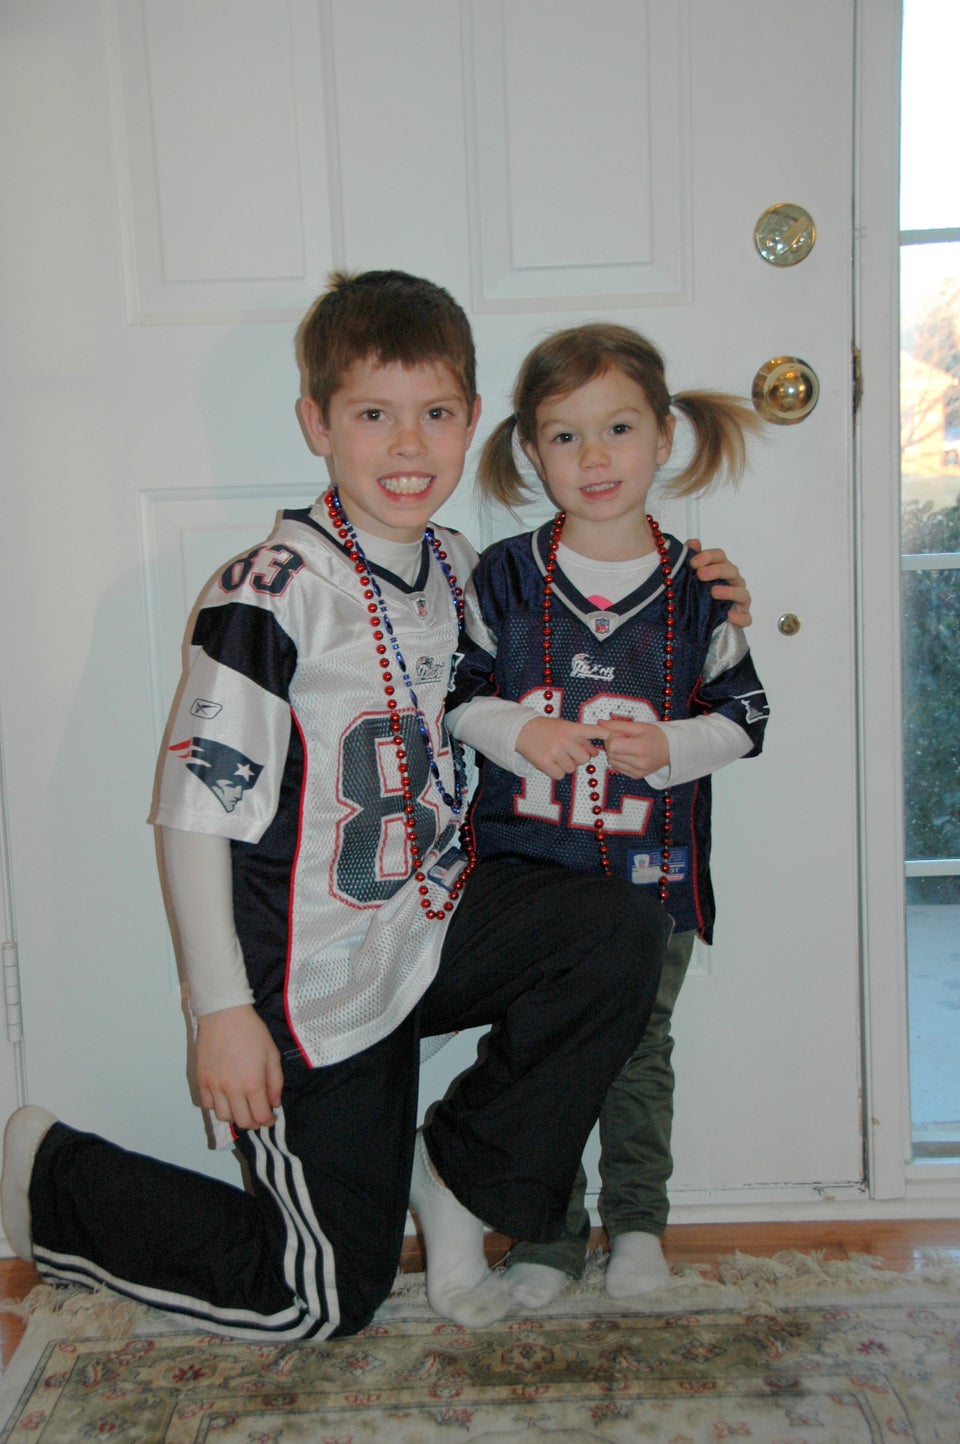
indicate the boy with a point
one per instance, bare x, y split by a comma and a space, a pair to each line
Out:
309, 805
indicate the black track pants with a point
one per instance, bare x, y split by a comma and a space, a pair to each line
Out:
563, 966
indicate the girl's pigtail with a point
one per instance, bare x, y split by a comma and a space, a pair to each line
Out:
498, 477
721, 424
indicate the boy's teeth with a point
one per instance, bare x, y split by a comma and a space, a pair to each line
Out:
405, 485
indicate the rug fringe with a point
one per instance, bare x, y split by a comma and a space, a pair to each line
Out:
79, 1310
759, 1272
759, 1284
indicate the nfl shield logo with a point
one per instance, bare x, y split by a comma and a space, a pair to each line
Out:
601, 624
421, 606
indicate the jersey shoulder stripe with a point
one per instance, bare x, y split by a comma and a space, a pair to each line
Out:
251, 641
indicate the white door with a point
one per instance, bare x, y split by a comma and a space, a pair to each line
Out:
179, 176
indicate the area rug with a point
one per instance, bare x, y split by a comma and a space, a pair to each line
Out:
787, 1350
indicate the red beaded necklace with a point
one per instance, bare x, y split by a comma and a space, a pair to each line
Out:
591, 769
385, 640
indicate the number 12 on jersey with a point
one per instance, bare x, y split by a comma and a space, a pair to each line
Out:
537, 796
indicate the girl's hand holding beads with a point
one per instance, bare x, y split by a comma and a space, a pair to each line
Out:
636, 748
558, 747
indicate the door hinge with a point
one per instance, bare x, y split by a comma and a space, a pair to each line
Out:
11, 993
857, 380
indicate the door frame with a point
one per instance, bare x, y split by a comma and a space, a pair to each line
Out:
928, 1188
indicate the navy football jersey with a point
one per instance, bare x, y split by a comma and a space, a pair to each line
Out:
606, 662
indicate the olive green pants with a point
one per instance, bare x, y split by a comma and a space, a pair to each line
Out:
635, 1127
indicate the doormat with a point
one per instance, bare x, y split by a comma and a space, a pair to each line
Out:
796, 1353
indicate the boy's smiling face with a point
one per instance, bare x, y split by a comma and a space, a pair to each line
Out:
396, 438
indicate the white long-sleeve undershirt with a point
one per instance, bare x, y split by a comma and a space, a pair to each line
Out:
698, 745
199, 877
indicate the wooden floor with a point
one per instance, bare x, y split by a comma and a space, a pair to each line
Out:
898, 1244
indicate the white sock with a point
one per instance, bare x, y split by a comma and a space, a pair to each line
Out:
534, 1285
25, 1131
636, 1265
459, 1284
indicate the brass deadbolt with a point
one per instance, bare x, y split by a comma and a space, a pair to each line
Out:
785, 234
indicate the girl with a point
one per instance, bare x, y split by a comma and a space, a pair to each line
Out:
603, 684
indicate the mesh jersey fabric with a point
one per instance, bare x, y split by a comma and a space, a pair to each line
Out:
281, 742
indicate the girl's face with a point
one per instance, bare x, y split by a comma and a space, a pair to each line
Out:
597, 452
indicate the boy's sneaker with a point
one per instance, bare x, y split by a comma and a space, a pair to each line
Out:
25, 1131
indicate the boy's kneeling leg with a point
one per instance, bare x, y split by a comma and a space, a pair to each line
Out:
160, 1234
565, 965
351, 1127
310, 1253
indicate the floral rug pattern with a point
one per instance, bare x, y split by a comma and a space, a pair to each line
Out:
881, 1371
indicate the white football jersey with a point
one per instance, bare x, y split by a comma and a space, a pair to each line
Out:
281, 741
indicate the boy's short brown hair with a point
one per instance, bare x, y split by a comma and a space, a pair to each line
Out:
388, 316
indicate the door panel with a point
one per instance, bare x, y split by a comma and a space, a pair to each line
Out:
612, 163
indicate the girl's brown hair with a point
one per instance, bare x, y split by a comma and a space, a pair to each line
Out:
570, 359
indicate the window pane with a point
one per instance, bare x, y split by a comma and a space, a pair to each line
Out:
931, 691
929, 383
930, 477
933, 939
930, 181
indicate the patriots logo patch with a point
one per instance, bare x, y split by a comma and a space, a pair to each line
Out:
583, 666
428, 669
227, 772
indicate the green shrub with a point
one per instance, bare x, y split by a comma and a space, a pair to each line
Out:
931, 687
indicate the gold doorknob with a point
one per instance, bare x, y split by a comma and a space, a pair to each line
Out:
785, 390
